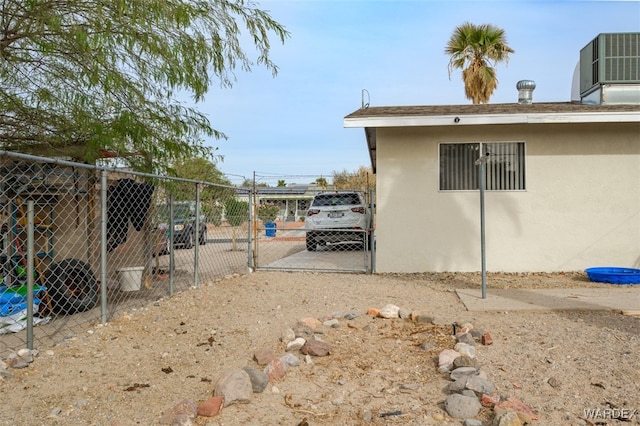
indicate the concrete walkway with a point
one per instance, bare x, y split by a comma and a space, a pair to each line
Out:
625, 298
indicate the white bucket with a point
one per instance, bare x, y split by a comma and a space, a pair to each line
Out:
130, 278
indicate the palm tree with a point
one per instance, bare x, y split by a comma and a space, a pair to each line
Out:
479, 48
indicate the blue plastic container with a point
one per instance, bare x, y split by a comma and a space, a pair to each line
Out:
7, 296
270, 229
614, 275
12, 308
17, 294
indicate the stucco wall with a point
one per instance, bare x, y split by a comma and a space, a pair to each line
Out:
581, 207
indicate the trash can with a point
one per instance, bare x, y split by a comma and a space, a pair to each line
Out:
270, 229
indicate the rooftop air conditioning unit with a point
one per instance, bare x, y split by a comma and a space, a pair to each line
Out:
610, 69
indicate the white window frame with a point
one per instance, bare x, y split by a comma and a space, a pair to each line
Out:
505, 169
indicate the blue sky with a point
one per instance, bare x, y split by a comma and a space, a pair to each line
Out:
291, 126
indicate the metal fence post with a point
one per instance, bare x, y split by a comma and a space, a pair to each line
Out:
372, 232
30, 270
250, 239
196, 237
103, 246
172, 261
481, 177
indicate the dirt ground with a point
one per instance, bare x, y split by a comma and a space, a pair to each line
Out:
139, 366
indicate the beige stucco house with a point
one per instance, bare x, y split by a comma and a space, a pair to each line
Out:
562, 186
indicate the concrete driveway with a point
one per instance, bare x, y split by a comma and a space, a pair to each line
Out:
622, 298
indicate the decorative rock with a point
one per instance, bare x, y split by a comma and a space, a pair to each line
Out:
259, 379
465, 361
373, 312
480, 385
287, 335
351, 315
18, 362
211, 406
446, 358
472, 422
275, 370
462, 372
312, 323
476, 333
468, 392
462, 407
26, 354
389, 311
263, 356
466, 349
296, 344
553, 382
486, 339
422, 318
465, 338
459, 385
509, 418
235, 386
289, 360
332, 323
465, 325
302, 330
404, 313
181, 414
316, 348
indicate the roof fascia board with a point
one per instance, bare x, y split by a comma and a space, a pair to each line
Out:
487, 119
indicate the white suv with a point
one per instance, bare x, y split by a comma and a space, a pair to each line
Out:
336, 217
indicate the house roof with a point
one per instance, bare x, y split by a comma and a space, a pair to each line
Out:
370, 118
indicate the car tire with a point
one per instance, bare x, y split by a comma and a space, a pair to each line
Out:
189, 241
203, 238
311, 243
72, 287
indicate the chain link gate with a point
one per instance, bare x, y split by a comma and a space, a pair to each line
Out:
281, 236
80, 244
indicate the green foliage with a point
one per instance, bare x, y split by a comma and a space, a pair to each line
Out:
236, 212
213, 213
268, 212
281, 183
321, 182
361, 180
79, 77
475, 49
201, 170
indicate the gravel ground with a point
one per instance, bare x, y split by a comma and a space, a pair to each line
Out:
139, 366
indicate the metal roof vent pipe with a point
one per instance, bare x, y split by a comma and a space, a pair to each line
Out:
525, 91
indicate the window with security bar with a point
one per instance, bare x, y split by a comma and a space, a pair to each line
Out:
505, 168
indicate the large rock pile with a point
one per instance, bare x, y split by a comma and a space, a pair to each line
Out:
471, 389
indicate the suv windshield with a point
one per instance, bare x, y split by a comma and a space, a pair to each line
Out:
336, 200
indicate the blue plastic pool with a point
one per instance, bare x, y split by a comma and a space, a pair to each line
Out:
614, 275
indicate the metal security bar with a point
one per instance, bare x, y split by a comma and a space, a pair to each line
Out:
80, 244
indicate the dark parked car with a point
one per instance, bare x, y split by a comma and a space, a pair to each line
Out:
184, 232
184, 226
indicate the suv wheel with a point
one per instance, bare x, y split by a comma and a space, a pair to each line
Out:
311, 243
189, 241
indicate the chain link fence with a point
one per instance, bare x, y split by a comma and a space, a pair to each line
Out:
81, 244
313, 227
